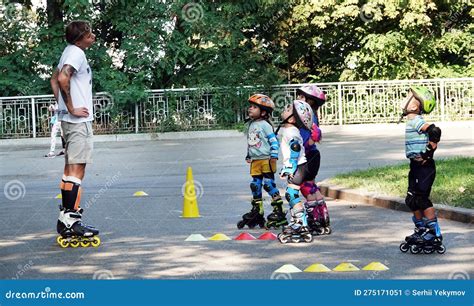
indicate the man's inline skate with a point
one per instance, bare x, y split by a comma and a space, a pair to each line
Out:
296, 231
253, 217
72, 232
278, 217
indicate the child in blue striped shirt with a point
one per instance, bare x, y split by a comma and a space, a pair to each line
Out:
421, 140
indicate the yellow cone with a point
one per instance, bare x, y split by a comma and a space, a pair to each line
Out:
59, 196
375, 266
190, 205
219, 237
317, 268
345, 267
140, 194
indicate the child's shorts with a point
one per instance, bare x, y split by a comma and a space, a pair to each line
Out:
79, 144
261, 166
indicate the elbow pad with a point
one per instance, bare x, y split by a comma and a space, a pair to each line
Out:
434, 133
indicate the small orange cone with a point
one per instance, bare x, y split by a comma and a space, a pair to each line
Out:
190, 205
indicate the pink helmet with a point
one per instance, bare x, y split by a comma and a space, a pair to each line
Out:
313, 92
303, 114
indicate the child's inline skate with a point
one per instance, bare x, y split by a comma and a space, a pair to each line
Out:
428, 243
410, 240
278, 217
313, 218
427, 240
72, 232
324, 217
318, 217
296, 231
254, 217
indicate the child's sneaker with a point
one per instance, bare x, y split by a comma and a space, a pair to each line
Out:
50, 155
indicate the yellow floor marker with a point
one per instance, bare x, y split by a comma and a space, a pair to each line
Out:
140, 194
375, 266
346, 267
317, 268
219, 237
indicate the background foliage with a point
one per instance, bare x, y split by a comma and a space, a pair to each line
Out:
173, 44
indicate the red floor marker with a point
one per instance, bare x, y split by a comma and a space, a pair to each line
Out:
245, 236
267, 236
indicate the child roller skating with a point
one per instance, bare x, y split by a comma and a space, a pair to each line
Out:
421, 141
262, 154
317, 211
55, 128
296, 115
71, 83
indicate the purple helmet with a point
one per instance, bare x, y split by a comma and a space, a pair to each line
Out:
313, 92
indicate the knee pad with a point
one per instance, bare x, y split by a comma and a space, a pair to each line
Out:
270, 187
292, 196
411, 201
256, 187
308, 188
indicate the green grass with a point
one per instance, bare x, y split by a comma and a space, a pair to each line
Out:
454, 183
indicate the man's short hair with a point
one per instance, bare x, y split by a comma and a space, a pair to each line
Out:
76, 30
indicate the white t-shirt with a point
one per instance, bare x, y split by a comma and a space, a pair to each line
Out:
287, 134
81, 84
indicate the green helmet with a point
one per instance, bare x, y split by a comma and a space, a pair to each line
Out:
426, 97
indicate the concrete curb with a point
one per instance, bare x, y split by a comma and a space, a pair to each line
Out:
132, 137
459, 214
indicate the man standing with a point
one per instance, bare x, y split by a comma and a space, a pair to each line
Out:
72, 86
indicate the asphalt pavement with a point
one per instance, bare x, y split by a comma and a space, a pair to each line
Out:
144, 237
